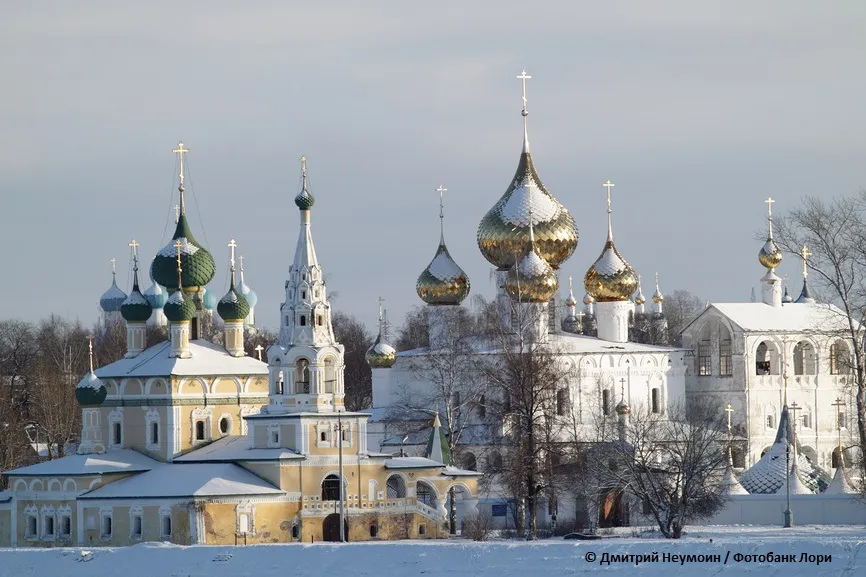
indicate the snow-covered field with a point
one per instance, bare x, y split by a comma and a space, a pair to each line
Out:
498, 558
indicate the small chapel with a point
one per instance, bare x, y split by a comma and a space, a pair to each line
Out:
191, 442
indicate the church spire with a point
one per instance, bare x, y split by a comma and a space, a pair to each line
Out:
523, 77
805, 294
180, 150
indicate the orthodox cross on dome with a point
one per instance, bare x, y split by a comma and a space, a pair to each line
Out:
805, 254
178, 245
180, 150
303, 172
381, 301
259, 349
570, 287
133, 245
622, 388
608, 185
793, 408
440, 190
524, 77
657, 281
770, 202
232, 246
113, 266
729, 409
90, 350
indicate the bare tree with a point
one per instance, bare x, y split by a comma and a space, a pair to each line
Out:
671, 463
680, 308
413, 334
835, 232
527, 374
358, 377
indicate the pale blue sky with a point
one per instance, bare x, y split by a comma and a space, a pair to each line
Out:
696, 110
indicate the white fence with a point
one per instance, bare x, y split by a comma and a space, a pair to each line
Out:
807, 510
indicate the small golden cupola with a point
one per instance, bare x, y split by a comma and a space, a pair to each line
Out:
504, 230
770, 256
531, 279
610, 278
443, 282
381, 355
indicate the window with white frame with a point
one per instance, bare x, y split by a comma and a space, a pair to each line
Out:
135, 522
106, 523
323, 435
726, 367
115, 420
165, 523
655, 400
705, 359
152, 428
49, 521
246, 519
273, 436
31, 526
225, 424
200, 425
64, 522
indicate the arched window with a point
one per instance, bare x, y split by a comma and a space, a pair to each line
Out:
396, 487
804, 359
302, 380
331, 488
561, 402
840, 362
199, 430
764, 361
281, 383
468, 461
296, 531
425, 494
705, 353
482, 407
726, 366
330, 375
117, 434
319, 320
655, 400
374, 531
605, 402
303, 320
154, 433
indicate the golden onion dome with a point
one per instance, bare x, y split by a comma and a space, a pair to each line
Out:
610, 278
504, 230
770, 256
381, 355
532, 279
622, 408
443, 282
639, 298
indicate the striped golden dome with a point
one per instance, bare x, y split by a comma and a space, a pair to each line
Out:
610, 278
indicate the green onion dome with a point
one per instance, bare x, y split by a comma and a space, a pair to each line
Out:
305, 199
233, 306
136, 308
91, 391
180, 306
198, 264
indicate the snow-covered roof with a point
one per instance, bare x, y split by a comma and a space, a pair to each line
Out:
839, 485
5, 496
790, 317
412, 463
206, 359
610, 262
564, 343
235, 448
120, 461
451, 471
186, 480
515, 211
443, 266
532, 265
731, 484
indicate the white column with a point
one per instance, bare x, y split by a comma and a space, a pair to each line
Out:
381, 387
180, 340
612, 320
771, 291
136, 337
234, 338
91, 432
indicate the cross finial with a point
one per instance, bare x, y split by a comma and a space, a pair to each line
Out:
232, 245
570, 286
580, 315
90, 350
133, 244
303, 172
178, 245
622, 388
440, 190
381, 301
770, 202
259, 349
839, 404
608, 185
729, 409
180, 150
805, 254
113, 266
524, 77
176, 213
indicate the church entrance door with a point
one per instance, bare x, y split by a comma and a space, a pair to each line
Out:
331, 528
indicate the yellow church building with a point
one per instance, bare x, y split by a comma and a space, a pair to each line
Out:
196, 443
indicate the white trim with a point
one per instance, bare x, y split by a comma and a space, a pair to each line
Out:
47, 513
152, 416
231, 421
106, 512
203, 414
116, 416
31, 512
165, 511
248, 509
136, 511
274, 442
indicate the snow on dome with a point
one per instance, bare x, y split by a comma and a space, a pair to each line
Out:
515, 211
249, 294
112, 299
731, 484
91, 381
839, 485
443, 282
209, 301
532, 279
610, 263
90, 391
156, 296
233, 306
186, 249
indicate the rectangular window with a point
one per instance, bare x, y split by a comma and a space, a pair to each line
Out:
244, 523
345, 434
726, 367
154, 433
199, 430
32, 525
704, 359
807, 421
166, 526
647, 509
605, 402
275, 438
422, 529
561, 401
656, 405
136, 527
117, 434
771, 422
49, 526
65, 526
106, 527
551, 315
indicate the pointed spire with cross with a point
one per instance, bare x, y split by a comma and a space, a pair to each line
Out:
770, 202
440, 190
608, 185
232, 245
524, 77
805, 254
90, 350
729, 409
133, 245
113, 267
180, 151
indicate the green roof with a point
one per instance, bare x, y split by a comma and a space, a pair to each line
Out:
233, 306
197, 263
180, 307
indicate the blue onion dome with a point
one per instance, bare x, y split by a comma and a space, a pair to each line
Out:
249, 294
443, 282
136, 308
180, 307
210, 300
233, 306
112, 299
155, 294
198, 264
90, 391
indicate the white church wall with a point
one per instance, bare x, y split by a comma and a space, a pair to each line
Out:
807, 509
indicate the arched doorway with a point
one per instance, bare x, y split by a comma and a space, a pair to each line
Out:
613, 510
331, 528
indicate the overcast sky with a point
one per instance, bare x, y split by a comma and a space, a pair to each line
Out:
695, 110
